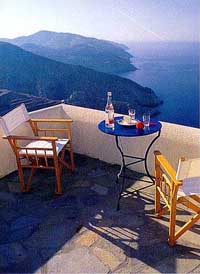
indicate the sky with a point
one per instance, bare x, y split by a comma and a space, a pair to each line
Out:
117, 20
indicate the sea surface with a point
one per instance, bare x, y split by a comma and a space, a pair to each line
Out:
172, 71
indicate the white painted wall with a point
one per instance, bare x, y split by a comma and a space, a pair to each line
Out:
175, 140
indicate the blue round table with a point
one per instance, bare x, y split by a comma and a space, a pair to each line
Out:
131, 131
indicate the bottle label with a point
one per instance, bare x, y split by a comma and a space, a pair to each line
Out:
110, 119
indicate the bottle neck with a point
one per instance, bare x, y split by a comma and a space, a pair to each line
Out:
109, 100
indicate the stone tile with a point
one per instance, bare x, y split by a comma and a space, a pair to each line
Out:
97, 173
52, 236
27, 204
81, 228
107, 258
196, 269
47, 253
115, 252
89, 200
170, 263
19, 229
180, 263
102, 227
30, 264
152, 255
120, 235
14, 187
61, 216
81, 183
110, 229
115, 247
101, 190
152, 233
129, 220
4, 186
39, 271
66, 248
100, 220
9, 214
78, 260
24, 221
86, 239
41, 212
63, 201
131, 201
46, 228
134, 266
191, 237
19, 234
107, 181
149, 270
11, 254
7, 199
4, 231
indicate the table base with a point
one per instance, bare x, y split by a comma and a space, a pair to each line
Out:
122, 172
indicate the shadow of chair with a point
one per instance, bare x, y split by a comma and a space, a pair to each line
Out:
173, 188
38, 152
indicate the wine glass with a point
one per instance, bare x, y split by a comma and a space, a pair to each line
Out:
146, 119
131, 113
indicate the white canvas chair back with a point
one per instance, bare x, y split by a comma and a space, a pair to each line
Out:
13, 119
189, 172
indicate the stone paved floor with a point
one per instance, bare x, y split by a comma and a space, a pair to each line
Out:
81, 231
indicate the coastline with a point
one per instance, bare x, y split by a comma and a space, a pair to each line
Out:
174, 76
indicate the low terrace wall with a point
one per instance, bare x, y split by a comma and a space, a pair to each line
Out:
175, 140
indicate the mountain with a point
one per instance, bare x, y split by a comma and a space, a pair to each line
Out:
10, 99
22, 71
101, 55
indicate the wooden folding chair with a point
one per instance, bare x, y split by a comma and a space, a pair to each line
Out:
38, 152
173, 188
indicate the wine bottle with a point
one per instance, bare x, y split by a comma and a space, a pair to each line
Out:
109, 109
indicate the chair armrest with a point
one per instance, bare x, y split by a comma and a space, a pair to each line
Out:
51, 120
163, 162
36, 138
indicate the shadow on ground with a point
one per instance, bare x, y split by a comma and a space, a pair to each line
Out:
81, 231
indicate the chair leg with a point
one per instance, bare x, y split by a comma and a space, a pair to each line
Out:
30, 179
21, 176
58, 188
172, 223
62, 159
72, 159
71, 155
157, 184
157, 201
162, 211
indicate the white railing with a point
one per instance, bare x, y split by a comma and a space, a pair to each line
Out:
175, 140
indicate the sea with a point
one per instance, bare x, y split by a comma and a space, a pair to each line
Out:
172, 70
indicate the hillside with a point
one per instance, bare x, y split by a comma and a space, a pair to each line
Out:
10, 99
22, 71
75, 49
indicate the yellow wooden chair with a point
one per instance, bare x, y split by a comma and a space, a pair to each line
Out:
173, 188
38, 152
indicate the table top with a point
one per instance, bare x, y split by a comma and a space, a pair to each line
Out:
129, 131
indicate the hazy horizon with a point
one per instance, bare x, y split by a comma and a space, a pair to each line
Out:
124, 41
116, 20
